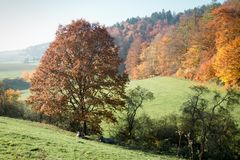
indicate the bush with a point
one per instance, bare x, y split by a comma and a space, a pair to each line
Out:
159, 136
11, 110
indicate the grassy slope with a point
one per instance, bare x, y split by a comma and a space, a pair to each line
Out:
21, 139
169, 94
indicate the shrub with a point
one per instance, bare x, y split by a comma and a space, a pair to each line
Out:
149, 134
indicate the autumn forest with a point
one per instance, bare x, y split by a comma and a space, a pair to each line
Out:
199, 44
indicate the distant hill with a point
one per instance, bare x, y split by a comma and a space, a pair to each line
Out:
28, 55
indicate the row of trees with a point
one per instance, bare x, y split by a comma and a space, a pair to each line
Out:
202, 44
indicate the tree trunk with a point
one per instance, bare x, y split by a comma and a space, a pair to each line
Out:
84, 118
201, 154
130, 132
85, 127
179, 145
130, 127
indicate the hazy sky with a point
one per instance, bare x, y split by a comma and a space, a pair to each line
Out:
29, 22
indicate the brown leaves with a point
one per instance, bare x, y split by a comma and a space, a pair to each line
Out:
76, 71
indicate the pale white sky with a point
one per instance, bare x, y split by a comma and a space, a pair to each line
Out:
29, 22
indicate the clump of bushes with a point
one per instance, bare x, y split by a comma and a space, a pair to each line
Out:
149, 134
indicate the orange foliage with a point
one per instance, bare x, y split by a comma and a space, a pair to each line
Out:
205, 71
227, 63
133, 58
12, 95
190, 63
78, 77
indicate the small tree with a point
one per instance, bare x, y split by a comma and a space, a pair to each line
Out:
190, 118
78, 77
135, 99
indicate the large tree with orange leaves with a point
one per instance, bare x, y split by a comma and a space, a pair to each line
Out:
78, 77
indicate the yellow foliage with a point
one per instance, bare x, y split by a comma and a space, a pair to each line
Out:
190, 63
12, 95
227, 63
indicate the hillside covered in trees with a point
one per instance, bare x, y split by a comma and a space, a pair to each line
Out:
199, 44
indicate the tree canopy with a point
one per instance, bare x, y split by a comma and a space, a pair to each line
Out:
78, 77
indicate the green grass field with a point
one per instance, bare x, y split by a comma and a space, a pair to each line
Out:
170, 93
14, 70
23, 140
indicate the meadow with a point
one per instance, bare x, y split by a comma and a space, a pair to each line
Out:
23, 140
170, 93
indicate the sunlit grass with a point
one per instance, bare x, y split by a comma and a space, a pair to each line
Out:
170, 93
22, 140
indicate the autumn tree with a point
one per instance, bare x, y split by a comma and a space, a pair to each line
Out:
227, 22
133, 58
180, 39
191, 62
8, 95
205, 71
205, 40
78, 77
152, 58
227, 63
